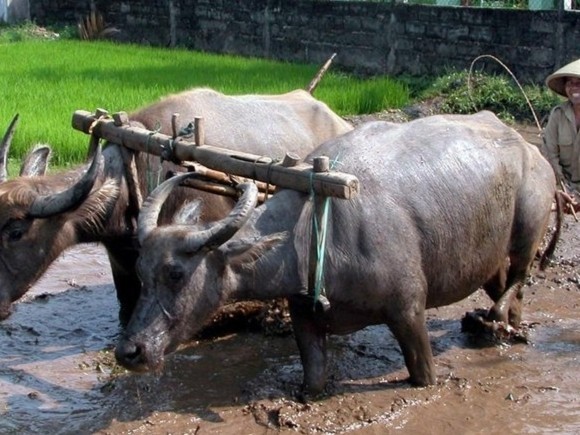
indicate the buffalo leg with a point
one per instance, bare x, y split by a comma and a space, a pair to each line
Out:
508, 308
496, 290
505, 289
411, 334
517, 274
311, 340
126, 281
515, 311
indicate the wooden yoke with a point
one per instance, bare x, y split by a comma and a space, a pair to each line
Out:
300, 177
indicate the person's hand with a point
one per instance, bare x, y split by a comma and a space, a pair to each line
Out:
570, 202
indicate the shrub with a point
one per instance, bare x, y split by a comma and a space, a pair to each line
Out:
24, 32
461, 92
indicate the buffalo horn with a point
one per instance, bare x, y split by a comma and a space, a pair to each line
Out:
218, 233
5, 146
152, 205
223, 230
50, 205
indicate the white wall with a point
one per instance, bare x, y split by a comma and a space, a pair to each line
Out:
14, 11
3, 9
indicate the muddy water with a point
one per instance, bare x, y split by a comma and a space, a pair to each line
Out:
57, 376
57, 373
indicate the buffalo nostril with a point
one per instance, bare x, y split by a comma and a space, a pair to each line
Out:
129, 355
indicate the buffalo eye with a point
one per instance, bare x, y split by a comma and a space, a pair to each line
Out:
173, 272
15, 235
14, 230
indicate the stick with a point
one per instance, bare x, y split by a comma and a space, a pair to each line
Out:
218, 189
316, 80
570, 206
223, 178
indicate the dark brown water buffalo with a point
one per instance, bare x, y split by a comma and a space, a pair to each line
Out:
448, 204
42, 216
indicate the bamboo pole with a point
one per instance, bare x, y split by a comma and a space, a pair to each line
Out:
218, 189
300, 177
318, 77
570, 205
222, 177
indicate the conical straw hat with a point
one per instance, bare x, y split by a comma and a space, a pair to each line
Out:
557, 81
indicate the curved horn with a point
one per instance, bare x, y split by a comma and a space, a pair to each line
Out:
5, 147
213, 236
152, 205
50, 205
223, 230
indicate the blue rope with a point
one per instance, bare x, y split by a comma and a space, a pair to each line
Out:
320, 250
320, 234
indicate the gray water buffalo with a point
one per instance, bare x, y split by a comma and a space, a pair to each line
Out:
448, 204
40, 217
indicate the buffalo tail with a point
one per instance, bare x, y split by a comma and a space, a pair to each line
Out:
549, 251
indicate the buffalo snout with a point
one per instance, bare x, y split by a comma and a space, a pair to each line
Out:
131, 355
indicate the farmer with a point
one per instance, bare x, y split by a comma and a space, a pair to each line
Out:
561, 135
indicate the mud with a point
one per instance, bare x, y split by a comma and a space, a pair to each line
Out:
57, 372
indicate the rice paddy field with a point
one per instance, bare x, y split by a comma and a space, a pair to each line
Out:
45, 81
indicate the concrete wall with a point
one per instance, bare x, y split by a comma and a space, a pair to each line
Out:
370, 38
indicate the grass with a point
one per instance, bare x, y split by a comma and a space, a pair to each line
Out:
45, 81
45, 77
497, 93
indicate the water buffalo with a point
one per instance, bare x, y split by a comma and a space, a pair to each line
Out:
42, 216
448, 204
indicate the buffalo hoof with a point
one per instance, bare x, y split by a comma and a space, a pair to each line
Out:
478, 324
305, 395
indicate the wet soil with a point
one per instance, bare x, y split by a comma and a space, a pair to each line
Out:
57, 372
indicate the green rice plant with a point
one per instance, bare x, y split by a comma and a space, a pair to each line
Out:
351, 96
47, 81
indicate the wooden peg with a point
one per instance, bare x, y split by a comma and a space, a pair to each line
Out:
120, 118
290, 160
321, 164
174, 129
199, 130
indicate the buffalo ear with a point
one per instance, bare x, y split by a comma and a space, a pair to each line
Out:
94, 209
36, 161
241, 254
